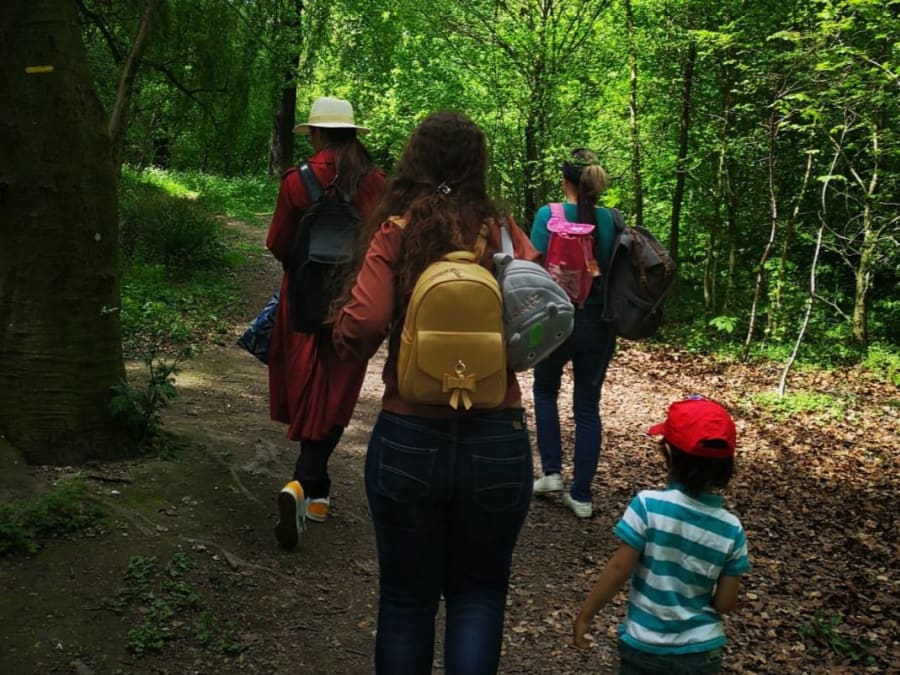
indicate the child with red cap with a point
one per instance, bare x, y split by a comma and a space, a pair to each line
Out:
683, 551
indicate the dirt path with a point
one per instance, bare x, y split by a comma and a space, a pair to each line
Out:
188, 562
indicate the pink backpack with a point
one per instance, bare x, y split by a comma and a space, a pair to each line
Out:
570, 254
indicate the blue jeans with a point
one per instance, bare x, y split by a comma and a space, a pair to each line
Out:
635, 662
590, 349
448, 498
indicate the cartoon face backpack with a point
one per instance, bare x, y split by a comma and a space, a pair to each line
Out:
538, 314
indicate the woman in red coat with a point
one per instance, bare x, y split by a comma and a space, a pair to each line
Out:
310, 388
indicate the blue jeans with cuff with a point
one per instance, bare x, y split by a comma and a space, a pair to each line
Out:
448, 498
590, 349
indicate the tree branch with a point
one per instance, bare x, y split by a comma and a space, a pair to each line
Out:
112, 41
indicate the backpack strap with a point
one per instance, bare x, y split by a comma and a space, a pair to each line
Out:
618, 220
313, 187
557, 210
506, 240
481, 241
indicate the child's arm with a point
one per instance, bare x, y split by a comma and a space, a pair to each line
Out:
612, 578
725, 599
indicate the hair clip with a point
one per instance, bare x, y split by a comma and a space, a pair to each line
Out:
443, 188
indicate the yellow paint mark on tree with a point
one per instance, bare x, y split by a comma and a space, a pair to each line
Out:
37, 70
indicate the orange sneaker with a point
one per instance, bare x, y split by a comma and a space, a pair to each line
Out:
291, 517
317, 509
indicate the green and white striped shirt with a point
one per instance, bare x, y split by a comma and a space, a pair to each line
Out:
686, 544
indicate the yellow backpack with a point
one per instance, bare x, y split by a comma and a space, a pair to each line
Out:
452, 348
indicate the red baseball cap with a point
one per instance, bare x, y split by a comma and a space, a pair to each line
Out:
693, 422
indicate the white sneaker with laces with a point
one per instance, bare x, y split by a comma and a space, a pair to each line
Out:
580, 509
552, 482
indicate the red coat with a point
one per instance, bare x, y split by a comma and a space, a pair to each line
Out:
310, 388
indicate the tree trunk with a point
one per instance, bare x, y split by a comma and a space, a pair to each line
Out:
770, 242
863, 272
633, 114
681, 165
60, 334
118, 118
862, 281
530, 169
281, 148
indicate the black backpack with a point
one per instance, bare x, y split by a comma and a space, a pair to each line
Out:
640, 277
322, 253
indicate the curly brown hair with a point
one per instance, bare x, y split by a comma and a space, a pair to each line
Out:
439, 186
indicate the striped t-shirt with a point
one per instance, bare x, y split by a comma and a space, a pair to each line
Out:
686, 544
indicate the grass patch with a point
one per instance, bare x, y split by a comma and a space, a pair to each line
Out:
167, 606
24, 525
784, 407
177, 285
249, 198
161, 313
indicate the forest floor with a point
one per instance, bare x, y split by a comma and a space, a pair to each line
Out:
185, 575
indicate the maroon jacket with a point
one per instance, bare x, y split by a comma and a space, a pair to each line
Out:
310, 388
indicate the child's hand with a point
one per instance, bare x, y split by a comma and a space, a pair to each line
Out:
579, 628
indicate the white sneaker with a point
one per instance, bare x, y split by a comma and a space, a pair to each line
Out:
550, 483
580, 509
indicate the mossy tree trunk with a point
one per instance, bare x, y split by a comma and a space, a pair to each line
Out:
60, 334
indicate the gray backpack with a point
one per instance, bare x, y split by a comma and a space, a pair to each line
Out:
538, 314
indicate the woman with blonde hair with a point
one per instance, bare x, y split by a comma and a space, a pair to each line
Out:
448, 490
590, 347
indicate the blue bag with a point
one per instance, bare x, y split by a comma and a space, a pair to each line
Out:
256, 338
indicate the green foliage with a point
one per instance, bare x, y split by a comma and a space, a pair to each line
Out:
66, 508
250, 198
139, 407
824, 631
173, 290
167, 606
159, 228
724, 324
794, 403
774, 85
160, 313
884, 362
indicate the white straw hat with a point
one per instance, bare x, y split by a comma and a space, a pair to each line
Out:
331, 113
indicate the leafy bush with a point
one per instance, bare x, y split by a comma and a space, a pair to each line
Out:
884, 363
139, 408
62, 510
156, 228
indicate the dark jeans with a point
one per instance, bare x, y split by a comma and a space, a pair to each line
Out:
590, 349
448, 498
635, 662
312, 464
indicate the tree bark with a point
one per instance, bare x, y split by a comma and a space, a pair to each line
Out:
60, 333
681, 165
636, 178
118, 118
281, 148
